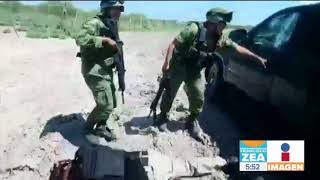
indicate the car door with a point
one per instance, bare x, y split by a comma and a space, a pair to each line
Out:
273, 43
289, 90
269, 40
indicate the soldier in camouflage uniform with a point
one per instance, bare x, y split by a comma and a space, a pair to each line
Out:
98, 48
182, 67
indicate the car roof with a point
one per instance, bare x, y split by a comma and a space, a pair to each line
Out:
300, 8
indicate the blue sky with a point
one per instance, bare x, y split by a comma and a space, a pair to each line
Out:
245, 12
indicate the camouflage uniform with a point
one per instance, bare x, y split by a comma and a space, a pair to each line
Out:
97, 70
187, 70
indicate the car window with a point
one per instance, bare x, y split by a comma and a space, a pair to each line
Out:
278, 30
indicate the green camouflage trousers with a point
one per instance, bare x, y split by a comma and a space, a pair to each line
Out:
194, 88
104, 93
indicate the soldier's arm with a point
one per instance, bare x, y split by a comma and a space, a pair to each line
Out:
87, 38
250, 55
182, 42
166, 63
242, 51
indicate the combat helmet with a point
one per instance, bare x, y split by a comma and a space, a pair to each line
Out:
105, 4
216, 15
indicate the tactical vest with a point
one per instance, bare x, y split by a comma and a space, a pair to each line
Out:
200, 43
114, 36
117, 60
113, 29
199, 46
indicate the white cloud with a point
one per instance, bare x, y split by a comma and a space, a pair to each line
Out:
308, 2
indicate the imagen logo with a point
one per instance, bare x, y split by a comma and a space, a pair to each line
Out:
285, 155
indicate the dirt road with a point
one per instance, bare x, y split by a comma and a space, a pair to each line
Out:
44, 102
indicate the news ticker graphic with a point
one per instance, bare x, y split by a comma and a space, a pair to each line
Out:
271, 155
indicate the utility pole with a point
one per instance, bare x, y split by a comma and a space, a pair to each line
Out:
140, 22
64, 16
48, 31
130, 25
75, 19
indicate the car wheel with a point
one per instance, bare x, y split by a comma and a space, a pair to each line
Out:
214, 77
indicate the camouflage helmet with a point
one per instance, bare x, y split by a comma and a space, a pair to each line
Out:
216, 15
105, 4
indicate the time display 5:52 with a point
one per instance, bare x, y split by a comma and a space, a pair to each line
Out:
253, 167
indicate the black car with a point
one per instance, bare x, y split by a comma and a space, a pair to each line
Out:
290, 41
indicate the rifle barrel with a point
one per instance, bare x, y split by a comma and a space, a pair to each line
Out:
122, 97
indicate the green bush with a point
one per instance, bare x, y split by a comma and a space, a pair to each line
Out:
38, 32
21, 29
38, 35
40, 22
5, 17
57, 8
58, 33
6, 31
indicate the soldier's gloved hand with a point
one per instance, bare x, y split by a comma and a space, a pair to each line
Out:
193, 52
165, 68
109, 43
203, 55
203, 59
263, 62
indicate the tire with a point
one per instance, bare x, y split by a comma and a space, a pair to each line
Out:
214, 77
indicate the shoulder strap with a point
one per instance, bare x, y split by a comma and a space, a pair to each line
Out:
200, 26
111, 27
201, 35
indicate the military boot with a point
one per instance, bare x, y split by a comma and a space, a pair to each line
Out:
90, 123
103, 131
162, 122
193, 127
194, 130
89, 126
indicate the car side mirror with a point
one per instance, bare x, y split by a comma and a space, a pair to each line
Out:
239, 36
263, 44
